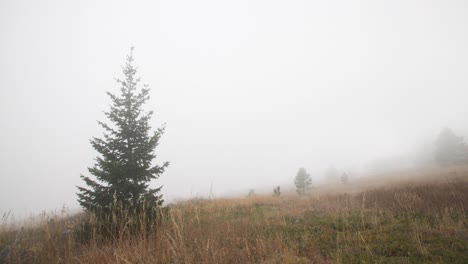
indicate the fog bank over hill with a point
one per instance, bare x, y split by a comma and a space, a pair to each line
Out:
250, 91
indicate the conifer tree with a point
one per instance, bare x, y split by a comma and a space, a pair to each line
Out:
124, 166
450, 149
303, 181
344, 178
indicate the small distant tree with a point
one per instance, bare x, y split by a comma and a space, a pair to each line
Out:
332, 174
450, 149
344, 178
277, 191
124, 165
251, 193
303, 181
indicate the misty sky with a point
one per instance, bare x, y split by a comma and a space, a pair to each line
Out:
250, 90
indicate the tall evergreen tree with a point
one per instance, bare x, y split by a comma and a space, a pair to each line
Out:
303, 181
124, 166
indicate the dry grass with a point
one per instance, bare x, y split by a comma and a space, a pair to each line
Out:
422, 220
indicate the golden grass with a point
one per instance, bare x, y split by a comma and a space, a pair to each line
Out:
412, 218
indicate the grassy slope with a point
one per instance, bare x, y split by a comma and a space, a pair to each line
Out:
422, 221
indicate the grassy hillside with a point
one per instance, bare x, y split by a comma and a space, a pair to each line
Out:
417, 218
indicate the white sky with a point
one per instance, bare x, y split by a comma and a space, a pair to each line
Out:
250, 90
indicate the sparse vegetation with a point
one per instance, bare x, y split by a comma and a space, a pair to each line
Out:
423, 221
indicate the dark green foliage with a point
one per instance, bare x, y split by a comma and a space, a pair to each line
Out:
302, 181
124, 166
450, 149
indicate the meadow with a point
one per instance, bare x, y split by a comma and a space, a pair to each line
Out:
409, 217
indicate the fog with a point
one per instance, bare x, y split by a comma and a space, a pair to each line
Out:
249, 90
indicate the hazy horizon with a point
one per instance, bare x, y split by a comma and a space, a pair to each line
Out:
249, 90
